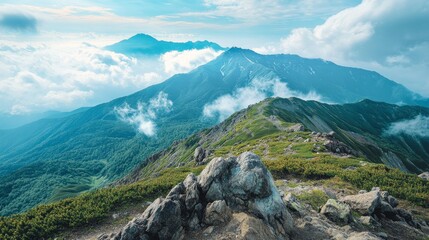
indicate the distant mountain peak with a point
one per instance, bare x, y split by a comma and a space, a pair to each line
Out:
144, 44
237, 50
240, 54
142, 37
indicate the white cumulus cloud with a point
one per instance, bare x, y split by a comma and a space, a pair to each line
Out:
258, 90
390, 37
40, 76
184, 61
37, 77
418, 126
144, 115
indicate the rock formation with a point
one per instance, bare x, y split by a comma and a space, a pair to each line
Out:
237, 194
235, 198
378, 204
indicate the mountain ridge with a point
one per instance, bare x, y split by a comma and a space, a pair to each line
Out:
364, 136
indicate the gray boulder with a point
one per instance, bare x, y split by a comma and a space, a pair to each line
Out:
365, 203
337, 212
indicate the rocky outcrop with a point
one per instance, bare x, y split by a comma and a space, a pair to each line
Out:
380, 205
335, 146
296, 128
328, 142
236, 191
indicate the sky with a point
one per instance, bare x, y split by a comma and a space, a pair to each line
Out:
51, 55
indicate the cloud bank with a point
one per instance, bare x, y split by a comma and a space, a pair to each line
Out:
144, 115
418, 126
258, 90
36, 77
387, 36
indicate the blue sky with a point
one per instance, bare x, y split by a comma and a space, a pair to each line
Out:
51, 55
243, 23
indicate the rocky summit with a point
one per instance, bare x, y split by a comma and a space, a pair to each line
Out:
237, 196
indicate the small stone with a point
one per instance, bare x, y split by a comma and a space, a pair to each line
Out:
424, 175
146, 204
382, 235
368, 220
351, 168
336, 212
392, 201
346, 228
384, 195
208, 230
362, 191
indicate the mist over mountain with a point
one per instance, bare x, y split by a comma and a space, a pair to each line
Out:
8, 121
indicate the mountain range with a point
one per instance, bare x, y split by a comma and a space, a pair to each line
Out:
51, 159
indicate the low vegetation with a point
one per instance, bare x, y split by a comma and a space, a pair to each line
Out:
316, 198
